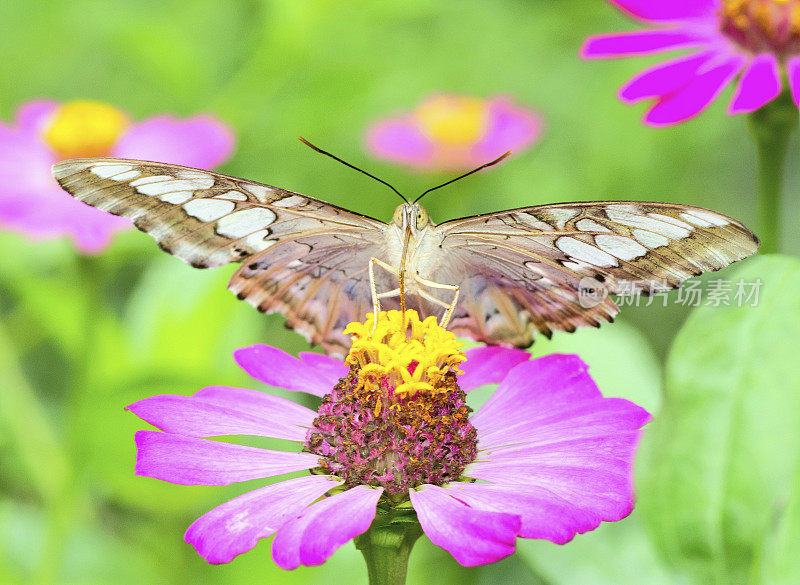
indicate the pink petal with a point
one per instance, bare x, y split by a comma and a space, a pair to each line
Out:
696, 95
236, 411
509, 128
472, 536
191, 461
201, 141
668, 10
91, 229
665, 78
548, 431
793, 72
312, 537
32, 117
607, 434
333, 369
277, 368
25, 163
31, 201
400, 140
607, 492
489, 365
640, 42
543, 514
605, 452
532, 422
535, 387
236, 526
760, 84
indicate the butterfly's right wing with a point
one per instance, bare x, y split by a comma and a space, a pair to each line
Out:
300, 256
528, 269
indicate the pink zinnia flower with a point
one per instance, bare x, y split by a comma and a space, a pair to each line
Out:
45, 132
448, 132
726, 38
551, 456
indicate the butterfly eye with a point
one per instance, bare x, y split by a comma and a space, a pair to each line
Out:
422, 218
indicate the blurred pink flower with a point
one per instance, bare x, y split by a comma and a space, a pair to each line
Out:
754, 38
448, 132
44, 132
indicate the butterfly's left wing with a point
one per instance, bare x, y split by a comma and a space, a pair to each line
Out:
526, 269
300, 256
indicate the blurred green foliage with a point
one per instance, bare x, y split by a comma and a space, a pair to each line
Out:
82, 337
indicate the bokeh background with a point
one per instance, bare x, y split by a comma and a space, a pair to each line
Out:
81, 337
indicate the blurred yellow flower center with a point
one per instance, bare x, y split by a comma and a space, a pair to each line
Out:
456, 121
763, 25
403, 352
85, 128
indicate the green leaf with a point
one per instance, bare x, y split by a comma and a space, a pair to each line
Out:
617, 553
717, 464
778, 563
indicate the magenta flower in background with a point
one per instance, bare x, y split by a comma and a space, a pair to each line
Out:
44, 132
752, 40
448, 132
552, 457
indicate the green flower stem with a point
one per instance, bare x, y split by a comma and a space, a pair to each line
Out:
387, 545
771, 127
69, 502
26, 423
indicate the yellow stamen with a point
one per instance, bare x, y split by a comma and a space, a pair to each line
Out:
451, 120
758, 25
398, 341
85, 128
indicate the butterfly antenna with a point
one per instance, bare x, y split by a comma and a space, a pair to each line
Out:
480, 168
347, 164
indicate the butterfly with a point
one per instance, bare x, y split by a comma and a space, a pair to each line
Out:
501, 276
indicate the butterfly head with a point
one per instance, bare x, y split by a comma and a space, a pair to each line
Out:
411, 215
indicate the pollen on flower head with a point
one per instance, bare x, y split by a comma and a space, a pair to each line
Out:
763, 25
85, 128
398, 419
411, 355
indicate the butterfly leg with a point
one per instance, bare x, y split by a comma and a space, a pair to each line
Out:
449, 307
376, 297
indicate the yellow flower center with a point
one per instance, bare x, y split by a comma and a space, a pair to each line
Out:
456, 121
403, 352
85, 128
763, 25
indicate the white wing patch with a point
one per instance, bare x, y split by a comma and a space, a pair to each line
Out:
261, 192
232, 196
703, 218
653, 222
620, 246
650, 239
241, 223
176, 197
291, 201
170, 185
108, 170
585, 252
687, 228
590, 225
126, 176
208, 209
